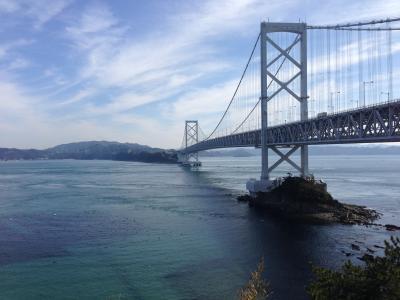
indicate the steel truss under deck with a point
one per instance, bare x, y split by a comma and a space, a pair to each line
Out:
374, 124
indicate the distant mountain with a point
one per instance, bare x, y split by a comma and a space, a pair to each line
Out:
94, 150
12, 154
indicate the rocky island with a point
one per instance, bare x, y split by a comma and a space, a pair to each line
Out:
308, 199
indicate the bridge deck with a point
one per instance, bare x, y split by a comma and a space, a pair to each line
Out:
378, 123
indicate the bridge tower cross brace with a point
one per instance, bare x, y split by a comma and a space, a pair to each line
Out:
301, 30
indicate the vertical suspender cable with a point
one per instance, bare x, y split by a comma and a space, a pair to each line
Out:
390, 65
360, 68
330, 106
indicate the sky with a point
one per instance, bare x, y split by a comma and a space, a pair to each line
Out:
134, 71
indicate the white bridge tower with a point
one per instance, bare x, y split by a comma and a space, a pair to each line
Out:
297, 91
191, 137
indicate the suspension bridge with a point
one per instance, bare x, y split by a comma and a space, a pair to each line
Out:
309, 85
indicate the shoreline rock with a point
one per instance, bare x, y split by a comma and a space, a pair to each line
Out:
391, 227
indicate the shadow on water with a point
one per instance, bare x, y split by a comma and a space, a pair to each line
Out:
288, 246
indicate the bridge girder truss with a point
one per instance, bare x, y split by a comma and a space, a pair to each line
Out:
374, 124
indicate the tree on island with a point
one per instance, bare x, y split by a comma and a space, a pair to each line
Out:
379, 278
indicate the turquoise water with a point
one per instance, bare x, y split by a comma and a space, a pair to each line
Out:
122, 230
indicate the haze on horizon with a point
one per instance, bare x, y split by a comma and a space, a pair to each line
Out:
134, 71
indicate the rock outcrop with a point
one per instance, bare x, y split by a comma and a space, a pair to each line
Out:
308, 199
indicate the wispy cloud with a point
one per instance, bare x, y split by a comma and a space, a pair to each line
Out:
39, 11
8, 6
18, 63
42, 11
7, 47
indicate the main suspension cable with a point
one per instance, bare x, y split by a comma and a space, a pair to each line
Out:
237, 87
338, 26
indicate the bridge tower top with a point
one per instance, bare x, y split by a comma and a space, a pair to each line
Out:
269, 27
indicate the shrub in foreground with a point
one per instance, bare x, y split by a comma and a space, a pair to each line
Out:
257, 288
379, 278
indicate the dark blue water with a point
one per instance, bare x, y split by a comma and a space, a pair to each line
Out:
121, 230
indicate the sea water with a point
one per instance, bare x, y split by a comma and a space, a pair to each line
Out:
125, 230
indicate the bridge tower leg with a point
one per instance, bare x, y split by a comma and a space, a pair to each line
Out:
303, 97
300, 62
191, 137
264, 106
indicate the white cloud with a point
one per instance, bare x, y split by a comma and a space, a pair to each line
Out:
5, 48
39, 11
99, 18
82, 94
200, 102
8, 6
124, 102
18, 63
332, 12
28, 127
173, 58
43, 10
95, 27
157, 132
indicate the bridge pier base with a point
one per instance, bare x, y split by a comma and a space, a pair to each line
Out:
266, 184
304, 161
255, 186
191, 164
189, 160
